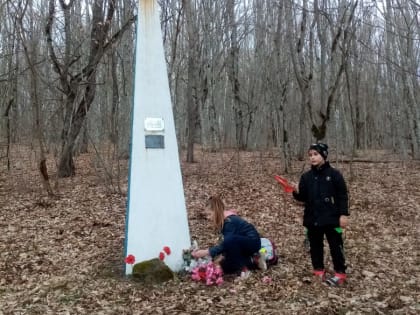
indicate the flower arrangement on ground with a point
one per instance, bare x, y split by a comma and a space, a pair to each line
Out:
202, 269
208, 272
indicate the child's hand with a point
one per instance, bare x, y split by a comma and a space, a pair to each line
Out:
344, 221
199, 253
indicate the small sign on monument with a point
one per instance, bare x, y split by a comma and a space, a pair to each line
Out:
154, 142
154, 138
153, 124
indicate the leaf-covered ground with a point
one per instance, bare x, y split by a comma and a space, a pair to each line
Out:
64, 255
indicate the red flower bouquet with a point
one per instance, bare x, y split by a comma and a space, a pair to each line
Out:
208, 273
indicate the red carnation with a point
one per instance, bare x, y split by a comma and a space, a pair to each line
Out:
167, 250
130, 259
161, 256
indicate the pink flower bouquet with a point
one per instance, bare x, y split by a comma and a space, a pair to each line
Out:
209, 273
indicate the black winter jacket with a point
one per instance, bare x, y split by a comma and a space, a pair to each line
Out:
235, 225
324, 192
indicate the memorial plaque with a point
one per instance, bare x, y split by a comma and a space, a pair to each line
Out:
155, 142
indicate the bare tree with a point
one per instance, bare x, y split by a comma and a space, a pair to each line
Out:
10, 82
31, 51
304, 63
79, 86
407, 26
231, 29
192, 78
251, 74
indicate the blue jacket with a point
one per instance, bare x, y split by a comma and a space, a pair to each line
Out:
324, 192
235, 225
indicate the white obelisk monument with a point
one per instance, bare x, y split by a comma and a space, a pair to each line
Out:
156, 212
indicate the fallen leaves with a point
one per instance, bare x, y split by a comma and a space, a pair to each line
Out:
65, 255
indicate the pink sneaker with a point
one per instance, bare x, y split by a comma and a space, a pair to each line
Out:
319, 274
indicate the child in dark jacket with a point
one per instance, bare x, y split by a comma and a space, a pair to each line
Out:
240, 239
324, 193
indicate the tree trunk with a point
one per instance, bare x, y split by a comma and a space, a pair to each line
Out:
8, 132
192, 80
113, 136
233, 73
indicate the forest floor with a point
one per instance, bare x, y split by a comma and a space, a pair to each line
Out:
64, 255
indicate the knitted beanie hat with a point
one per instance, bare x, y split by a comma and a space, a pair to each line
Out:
321, 148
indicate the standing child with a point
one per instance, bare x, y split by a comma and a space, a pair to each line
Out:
240, 239
324, 193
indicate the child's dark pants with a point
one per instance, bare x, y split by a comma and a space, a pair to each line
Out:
335, 241
238, 251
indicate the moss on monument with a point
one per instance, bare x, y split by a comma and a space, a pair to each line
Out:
153, 271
